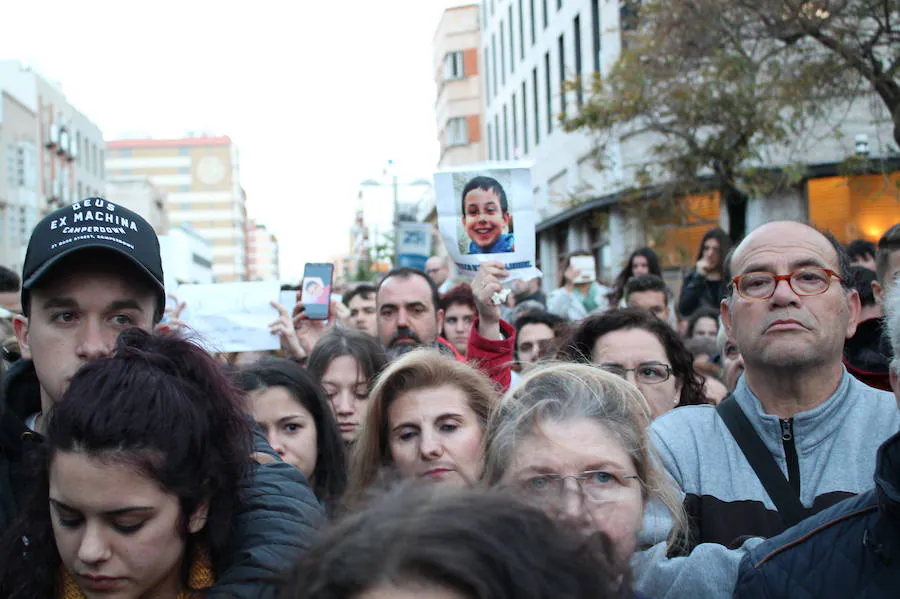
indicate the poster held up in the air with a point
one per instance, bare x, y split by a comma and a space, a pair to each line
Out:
486, 212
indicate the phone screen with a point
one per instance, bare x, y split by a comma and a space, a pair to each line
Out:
316, 290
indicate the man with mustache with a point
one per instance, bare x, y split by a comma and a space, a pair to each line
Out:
409, 316
789, 308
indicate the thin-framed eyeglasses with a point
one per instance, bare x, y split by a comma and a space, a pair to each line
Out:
596, 486
803, 282
649, 373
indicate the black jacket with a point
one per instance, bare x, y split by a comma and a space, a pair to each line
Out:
849, 550
867, 354
699, 292
279, 516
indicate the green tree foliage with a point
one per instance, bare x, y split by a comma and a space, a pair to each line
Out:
713, 92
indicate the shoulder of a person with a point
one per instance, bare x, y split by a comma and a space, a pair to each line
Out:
685, 424
872, 399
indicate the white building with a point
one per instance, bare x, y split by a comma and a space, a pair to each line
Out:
140, 195
186, 256
262, 253
529, 47
51, 153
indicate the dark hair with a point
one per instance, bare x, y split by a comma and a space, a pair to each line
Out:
580, 346
9, 280
625, 274
160, 405
405, 272
337, 342
642, 283
557, 323
483, 544
724, 240
330, 473
861, 279
887, 245
860, 248
366, 290
310, 283
461, 294
701, 345
485, 184
697, 315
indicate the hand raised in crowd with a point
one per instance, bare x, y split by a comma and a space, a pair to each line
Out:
172, 316
308, 330
484, 286
284, 328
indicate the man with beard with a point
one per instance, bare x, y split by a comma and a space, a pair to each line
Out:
409, 316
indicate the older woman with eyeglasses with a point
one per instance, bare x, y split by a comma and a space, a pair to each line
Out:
573, 440
640, 348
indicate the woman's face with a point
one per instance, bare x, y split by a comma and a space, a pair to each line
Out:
641, 354
608, 501
711, 251
117, 531
639, 266
348, 393
706, 328
435, 435
288, 426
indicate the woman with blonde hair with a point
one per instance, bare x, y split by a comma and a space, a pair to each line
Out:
426, 420
573, 440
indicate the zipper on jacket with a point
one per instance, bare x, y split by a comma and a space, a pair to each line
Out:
790, 453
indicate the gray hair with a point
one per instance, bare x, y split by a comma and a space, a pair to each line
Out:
562, 391
892, 322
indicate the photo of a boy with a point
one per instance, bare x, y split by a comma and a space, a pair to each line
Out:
314, 291
485, 217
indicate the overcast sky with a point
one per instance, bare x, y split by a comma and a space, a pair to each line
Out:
317, 95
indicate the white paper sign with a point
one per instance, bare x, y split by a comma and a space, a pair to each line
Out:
231, 317
487, 213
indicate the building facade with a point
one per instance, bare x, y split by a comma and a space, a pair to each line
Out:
201, 179
457, 74
140, 195
52, 155
262, 254
529, 49
187, 257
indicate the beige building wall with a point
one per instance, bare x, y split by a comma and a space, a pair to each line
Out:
141, 196
201, 179
262, 254
460, 101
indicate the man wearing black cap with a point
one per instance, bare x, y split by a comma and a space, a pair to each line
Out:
93, 269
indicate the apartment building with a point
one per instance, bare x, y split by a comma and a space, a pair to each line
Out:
201, 179
457, 73
262, 253
52, 155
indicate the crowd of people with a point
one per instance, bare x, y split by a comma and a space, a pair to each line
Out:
737, 439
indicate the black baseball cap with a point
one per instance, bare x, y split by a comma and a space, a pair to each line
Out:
93, 223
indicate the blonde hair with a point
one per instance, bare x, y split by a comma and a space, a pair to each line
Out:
565, 391
419, 369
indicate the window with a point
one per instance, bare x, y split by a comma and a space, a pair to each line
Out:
492, 8
561, 48
79, 197
595, 33
497, 136
515, 128
521, 32
549, 93
494, 60
457, 132
546, 20
78, 148
524, 118
579, 92
490, 143
505, 134
487, 77
502, 56
453, 66
512, 42
531, 14
537, 106
559, 4
184, 151
102, 164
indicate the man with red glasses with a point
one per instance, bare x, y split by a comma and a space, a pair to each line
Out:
798, 434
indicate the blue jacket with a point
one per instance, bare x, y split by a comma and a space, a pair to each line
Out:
504, 244
849, 550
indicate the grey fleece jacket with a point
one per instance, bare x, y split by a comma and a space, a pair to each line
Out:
835, 445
